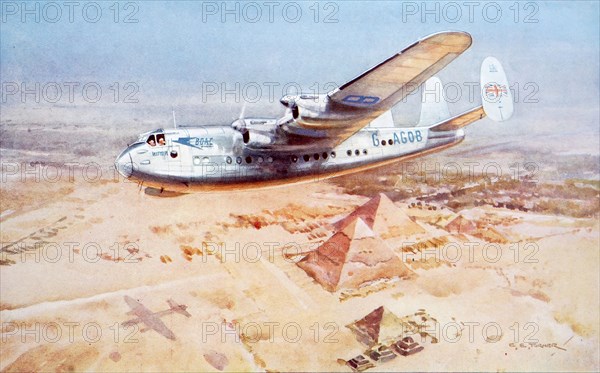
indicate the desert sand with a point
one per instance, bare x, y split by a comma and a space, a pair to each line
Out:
71, 256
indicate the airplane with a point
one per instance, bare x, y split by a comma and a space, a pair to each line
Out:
152, 319
320, 136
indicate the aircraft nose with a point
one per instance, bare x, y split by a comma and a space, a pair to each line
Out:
124, 164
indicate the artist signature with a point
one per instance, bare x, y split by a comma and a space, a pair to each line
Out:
530, 345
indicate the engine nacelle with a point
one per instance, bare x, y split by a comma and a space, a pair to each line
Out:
257, 132
309, 109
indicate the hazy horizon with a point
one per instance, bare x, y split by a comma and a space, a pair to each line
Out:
174, 53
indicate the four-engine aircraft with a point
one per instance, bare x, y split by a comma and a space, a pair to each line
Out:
320, 136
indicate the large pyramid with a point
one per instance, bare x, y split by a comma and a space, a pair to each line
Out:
351, 257
384, 218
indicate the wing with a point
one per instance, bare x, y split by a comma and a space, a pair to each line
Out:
384, 85
156, 324
368, 96
137, 308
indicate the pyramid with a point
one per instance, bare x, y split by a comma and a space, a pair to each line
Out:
384, 218
379, 326
461, 225
351, 257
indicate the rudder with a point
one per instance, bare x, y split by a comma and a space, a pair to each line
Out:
495, 91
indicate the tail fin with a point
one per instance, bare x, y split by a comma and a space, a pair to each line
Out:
495, 91
495, 95
434, 108
383, 121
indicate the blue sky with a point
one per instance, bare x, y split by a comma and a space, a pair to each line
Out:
176, 46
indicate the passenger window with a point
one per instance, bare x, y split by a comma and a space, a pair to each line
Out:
160, 139
151, 140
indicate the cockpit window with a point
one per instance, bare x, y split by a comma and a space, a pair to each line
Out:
158, 139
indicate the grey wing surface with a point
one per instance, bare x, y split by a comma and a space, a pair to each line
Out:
384, 85
368, 96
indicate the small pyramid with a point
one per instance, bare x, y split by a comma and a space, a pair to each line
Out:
379, 326
369, 326
460, 224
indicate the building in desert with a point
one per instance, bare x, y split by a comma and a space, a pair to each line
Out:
353, 256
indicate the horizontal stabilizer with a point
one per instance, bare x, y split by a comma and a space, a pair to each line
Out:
460, 120
179, 308
495, 91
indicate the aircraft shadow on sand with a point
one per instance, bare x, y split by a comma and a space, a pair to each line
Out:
151, 320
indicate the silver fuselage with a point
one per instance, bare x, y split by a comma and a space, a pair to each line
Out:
216, 158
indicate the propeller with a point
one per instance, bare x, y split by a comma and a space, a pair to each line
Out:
289, 102
294, 109
240, 125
